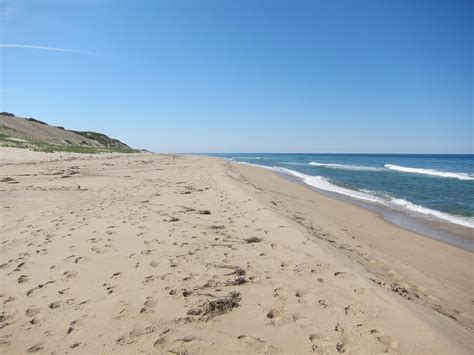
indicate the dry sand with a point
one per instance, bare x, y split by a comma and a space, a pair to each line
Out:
160, 254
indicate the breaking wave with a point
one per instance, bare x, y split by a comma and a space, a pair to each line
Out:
432, 172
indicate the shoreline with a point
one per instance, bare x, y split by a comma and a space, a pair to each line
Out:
449, 233
443, 231
420, 259
143, 253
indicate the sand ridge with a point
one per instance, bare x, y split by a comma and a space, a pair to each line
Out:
185, 254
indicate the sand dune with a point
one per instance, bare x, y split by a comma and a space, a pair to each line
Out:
184, 254
29, 130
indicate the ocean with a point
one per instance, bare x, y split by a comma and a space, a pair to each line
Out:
433, 187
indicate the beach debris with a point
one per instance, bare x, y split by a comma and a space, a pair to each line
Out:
440, 310
204, 212
237, 271
219, 306
224, 304
173, 219
237, 281
398, 289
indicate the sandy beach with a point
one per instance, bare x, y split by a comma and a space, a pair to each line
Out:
148, 253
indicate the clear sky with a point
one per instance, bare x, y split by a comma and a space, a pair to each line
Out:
246, 75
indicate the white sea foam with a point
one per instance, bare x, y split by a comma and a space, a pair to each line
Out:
293, 163
324, 184
250, 158
463, 221
432, 172
346, 167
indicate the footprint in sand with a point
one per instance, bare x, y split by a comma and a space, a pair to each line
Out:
134, 335
35, 348
109, 288
149, 303
40, 286
72, 325
323, 303
255, 343
23, 278
55, 304
386, 340
19, 267
341, 345
316, 347
74, 345
116, 275
35, 320
161, 339
70, 274
31, 312
299, 294
273, 314
342, 274
186, 339
63, 291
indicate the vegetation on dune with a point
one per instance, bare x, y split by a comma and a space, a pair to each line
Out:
7, 141
102, 139
31, 119
51, 139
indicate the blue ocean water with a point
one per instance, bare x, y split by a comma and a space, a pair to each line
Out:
438, 187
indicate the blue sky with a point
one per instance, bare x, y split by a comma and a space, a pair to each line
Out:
246, 76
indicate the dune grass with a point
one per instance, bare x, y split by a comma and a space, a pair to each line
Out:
7, 141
